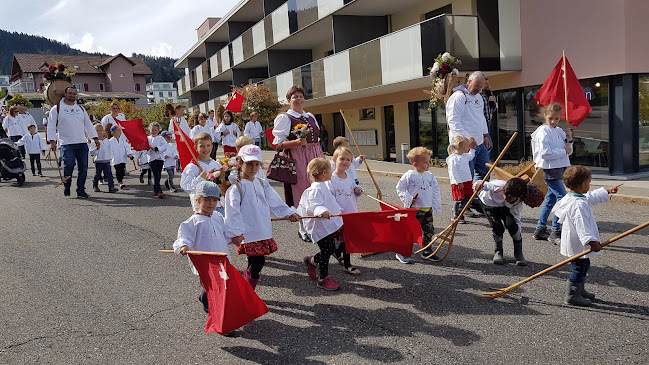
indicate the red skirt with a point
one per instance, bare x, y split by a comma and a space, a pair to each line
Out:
258, 248
459, 194
228, 149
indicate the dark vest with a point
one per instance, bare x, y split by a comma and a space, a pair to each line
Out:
312, 137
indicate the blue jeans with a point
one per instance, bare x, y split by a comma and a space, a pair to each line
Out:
556, 191
75, 154
477, 165
580, 268
103, 167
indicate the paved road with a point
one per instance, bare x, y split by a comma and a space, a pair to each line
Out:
81, 282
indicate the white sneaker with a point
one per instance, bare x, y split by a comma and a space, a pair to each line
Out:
404, 260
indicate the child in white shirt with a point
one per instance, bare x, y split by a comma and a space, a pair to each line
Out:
228, 132
205, 229
579, 229
346, 192
193, 174
171, 156
254, 129
34, 145
121, 151
459, 173
103, 156
143, 162
318, 201
157, 148
234, 175
201, 127
341, 141
418, 188
249, 203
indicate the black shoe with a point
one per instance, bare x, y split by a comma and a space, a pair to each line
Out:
426, 253
555, 237
83, 195
66, 191
167, 184
541, 234
141, 179
304, 238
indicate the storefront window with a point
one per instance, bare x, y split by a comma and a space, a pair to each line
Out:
433, 133
591, 137
508, 124
643, 107
531, 117
426, 132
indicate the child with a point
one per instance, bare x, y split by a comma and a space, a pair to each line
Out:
253, 129
502, 203
245, 141
228, 131
171, 155
193, 175
418, 188
157, 148
103, 156
121, 151
34, 145
201, 127
346, 191
341, 141
178, 116
459, 173
205, 229
580, 231
551, 148
249, 203
143, 161
318, 201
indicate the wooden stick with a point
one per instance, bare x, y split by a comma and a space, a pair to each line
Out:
501, 292
308, 217
381, 201
60, 173
197, 252
565, 86
379, 195
182, 136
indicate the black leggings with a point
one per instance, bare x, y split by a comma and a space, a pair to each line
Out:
120, 169
255, 264
501, 218
146, 171
340, 251
327, 247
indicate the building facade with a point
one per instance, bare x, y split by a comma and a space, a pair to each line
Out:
370, 58
160, 92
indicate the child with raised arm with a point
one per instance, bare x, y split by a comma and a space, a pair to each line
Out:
459, 172
580, 231
121, 152
171, 156
228, 132
318, 201
418, 188
103, 156
249, 203
193, 174
341, 141
345, 191
35, 146
205, 229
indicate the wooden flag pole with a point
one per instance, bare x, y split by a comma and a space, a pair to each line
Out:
60, 173
307, 217
381, 201
173, 120
501, 292
197, 252
379, 195
565, 86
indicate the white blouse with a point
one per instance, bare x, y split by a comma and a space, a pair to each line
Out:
231, 138
316, 200
458, 167
190, 177
161, 144
492, 195
182, 124
203, 233
121, 150
343, 191
282, 125
198, 129
548, 147
253, 130
412, 183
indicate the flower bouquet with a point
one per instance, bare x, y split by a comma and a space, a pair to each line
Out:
18, 99
301, 131
58, 71
445, 65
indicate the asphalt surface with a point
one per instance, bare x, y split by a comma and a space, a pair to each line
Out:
81, 281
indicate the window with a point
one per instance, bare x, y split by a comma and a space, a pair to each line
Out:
102, 87
121, 74
643, 118
508, 123
367, 113
79, 87
137, 87
170, 94
161, 94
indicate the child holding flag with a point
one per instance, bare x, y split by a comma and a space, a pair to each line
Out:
249, 203
346, 191
418, 188
103, 156
143, 161
318, 201
157, 148
171, 155
228, 132
193, 174
121, 151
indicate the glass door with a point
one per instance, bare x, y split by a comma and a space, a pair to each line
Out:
390, 144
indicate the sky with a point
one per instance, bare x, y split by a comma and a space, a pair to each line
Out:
156, 28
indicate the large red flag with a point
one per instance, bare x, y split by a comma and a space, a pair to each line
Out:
235, 103
270, 137
135, 133
185, 146
553, 91
386, 231
232, 301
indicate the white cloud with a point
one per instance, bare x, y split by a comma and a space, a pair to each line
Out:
87, 44
162, 49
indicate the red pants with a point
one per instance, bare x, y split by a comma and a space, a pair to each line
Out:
459, 194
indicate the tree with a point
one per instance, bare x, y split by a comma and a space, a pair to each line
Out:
101, 108
259, 99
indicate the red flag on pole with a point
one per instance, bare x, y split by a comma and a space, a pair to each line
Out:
270, 137
386, 231
134, 132
232, 302
564, 88
235, 103
186, 150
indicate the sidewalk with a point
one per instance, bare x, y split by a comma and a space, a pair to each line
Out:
633, 191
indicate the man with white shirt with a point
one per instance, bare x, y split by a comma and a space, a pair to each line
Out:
71, 123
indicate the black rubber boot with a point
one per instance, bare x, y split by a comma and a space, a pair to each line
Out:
457, 208
574, 298
518, 253
584, 293
541, 233
498, 250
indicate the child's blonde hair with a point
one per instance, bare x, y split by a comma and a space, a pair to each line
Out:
457, 141
549, 109
243, 141
201, 137
418, 151
339, 141
342, 151
317, 166
154, 124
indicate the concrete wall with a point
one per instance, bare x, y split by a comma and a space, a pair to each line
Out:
415, 14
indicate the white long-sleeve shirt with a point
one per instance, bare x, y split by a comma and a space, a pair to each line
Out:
161, 144
182, 124
14, 126
110, 119
27, 120
492, 195
578, 225
121, 150
458, 167
231, 138
198, 129
250, 216
104, 153
203, 233
548, 147
316, 200
412, 183
253, 130
170, 156
142, 158
73, 124
343, 192
282, 125
33, 143
351, 171
190, 177
465, 115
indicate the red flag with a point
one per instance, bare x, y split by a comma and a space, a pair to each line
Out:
232, 302
135, 133
270, 137
185, 146
388, 206
553, 91
387, 231
235, 103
